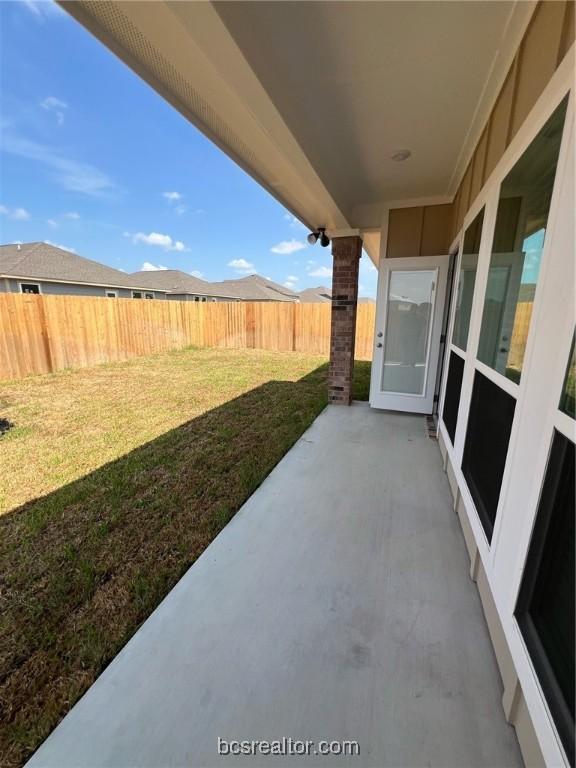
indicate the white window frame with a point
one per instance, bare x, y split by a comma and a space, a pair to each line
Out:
110, 293
149, 295
30, 282
138, 297
543, 373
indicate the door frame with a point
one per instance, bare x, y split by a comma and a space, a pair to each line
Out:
406, 402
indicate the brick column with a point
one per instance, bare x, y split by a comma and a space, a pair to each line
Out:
346, 252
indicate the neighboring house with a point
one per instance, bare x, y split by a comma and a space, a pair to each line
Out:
256, 288
181, 286
316, 295
43, 268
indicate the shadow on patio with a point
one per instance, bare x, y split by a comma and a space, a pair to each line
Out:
84, 566
335, 606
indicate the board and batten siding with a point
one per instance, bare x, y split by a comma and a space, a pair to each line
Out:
430, 230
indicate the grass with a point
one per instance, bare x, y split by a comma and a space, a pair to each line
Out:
115, 479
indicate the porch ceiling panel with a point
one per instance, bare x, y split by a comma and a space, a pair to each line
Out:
313, 98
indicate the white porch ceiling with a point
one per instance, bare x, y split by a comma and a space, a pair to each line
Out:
313, 98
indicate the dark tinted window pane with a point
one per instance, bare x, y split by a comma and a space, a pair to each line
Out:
466, 281
521, 222
452, 395
545, 607
487, 438
569, 389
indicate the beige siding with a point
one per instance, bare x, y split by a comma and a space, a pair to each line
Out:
420, 231
538, 59
548, 38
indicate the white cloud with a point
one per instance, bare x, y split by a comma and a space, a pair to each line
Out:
241, 265
148, 267
292, 278
73, 175
172, 196
289, 284
59, 245
288, 246
197, 273
19, 214
57, 106
52, 223
321, 272
311, 262
71, 215
43, 9
180, 209
158, 239
293, 221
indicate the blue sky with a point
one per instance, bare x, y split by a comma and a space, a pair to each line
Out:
94, 160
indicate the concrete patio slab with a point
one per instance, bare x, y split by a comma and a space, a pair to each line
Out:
336, 605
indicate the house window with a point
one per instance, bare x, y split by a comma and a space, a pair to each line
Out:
466, 282
521, 221
545, 608
569, 388
196, 298
487, 437
30, 288
111, 294
148, 295
136, 294
212, 299
203, 298
452, 394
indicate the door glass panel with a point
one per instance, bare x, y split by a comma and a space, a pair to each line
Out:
521, 223
569, 389
466, 281
408, 323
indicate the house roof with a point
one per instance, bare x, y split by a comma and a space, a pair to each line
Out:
321, 294
41, 261
177, 281
257, 288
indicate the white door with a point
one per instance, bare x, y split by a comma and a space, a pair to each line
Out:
409, 313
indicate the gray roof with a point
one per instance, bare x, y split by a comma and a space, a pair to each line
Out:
176, 281
321, 294
42, 261
257, 288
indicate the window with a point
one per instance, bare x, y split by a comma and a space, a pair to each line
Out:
30, 288
111, 294
148, 295
521, 221
452, 394
486, 446
196, 298
466, 282
545, 608
136, 294
569, 388
203, 298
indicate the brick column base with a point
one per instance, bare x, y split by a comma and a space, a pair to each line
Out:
346, 252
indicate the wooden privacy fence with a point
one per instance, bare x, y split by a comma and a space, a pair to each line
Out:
41, 334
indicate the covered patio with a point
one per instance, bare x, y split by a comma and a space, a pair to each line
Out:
336, 605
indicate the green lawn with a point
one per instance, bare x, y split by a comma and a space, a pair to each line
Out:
114, 480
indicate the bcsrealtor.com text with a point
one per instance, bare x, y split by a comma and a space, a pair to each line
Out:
287, 746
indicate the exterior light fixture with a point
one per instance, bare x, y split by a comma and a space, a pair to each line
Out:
401, 154
319, 234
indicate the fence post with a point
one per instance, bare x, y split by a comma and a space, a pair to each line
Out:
45, 334
250, 326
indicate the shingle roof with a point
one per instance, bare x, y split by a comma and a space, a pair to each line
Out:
321, 294
257, 288
42, 261
176, 281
